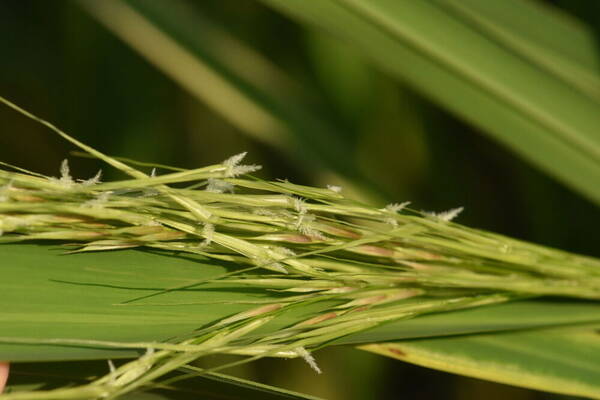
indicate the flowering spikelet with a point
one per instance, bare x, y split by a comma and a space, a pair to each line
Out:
208, 232
334, 188
310, 360
284, 250
65, 175
304, 220
219, 186
447, 215
233, 169
303, 225
299, 205
93, 180
394, 208
99, 201
67, 180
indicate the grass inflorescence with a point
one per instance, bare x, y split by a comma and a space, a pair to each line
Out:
311, 244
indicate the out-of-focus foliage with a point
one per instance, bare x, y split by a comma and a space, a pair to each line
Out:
326, 114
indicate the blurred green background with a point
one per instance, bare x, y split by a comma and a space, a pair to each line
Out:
219, 77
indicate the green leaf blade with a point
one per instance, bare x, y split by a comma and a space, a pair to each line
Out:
532, 111
561, 360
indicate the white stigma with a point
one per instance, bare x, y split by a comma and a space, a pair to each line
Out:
334, 188
93, 180
65, 174
233, 169
396, 207
449, 215
208, 232
310, 360
218, 186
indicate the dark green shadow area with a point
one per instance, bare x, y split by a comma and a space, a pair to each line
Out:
46, 376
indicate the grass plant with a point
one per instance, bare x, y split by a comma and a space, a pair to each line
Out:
310, 245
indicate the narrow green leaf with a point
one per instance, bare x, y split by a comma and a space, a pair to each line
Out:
555, 43
562, 360
533, 111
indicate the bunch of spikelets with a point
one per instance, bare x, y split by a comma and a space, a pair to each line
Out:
376, 264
